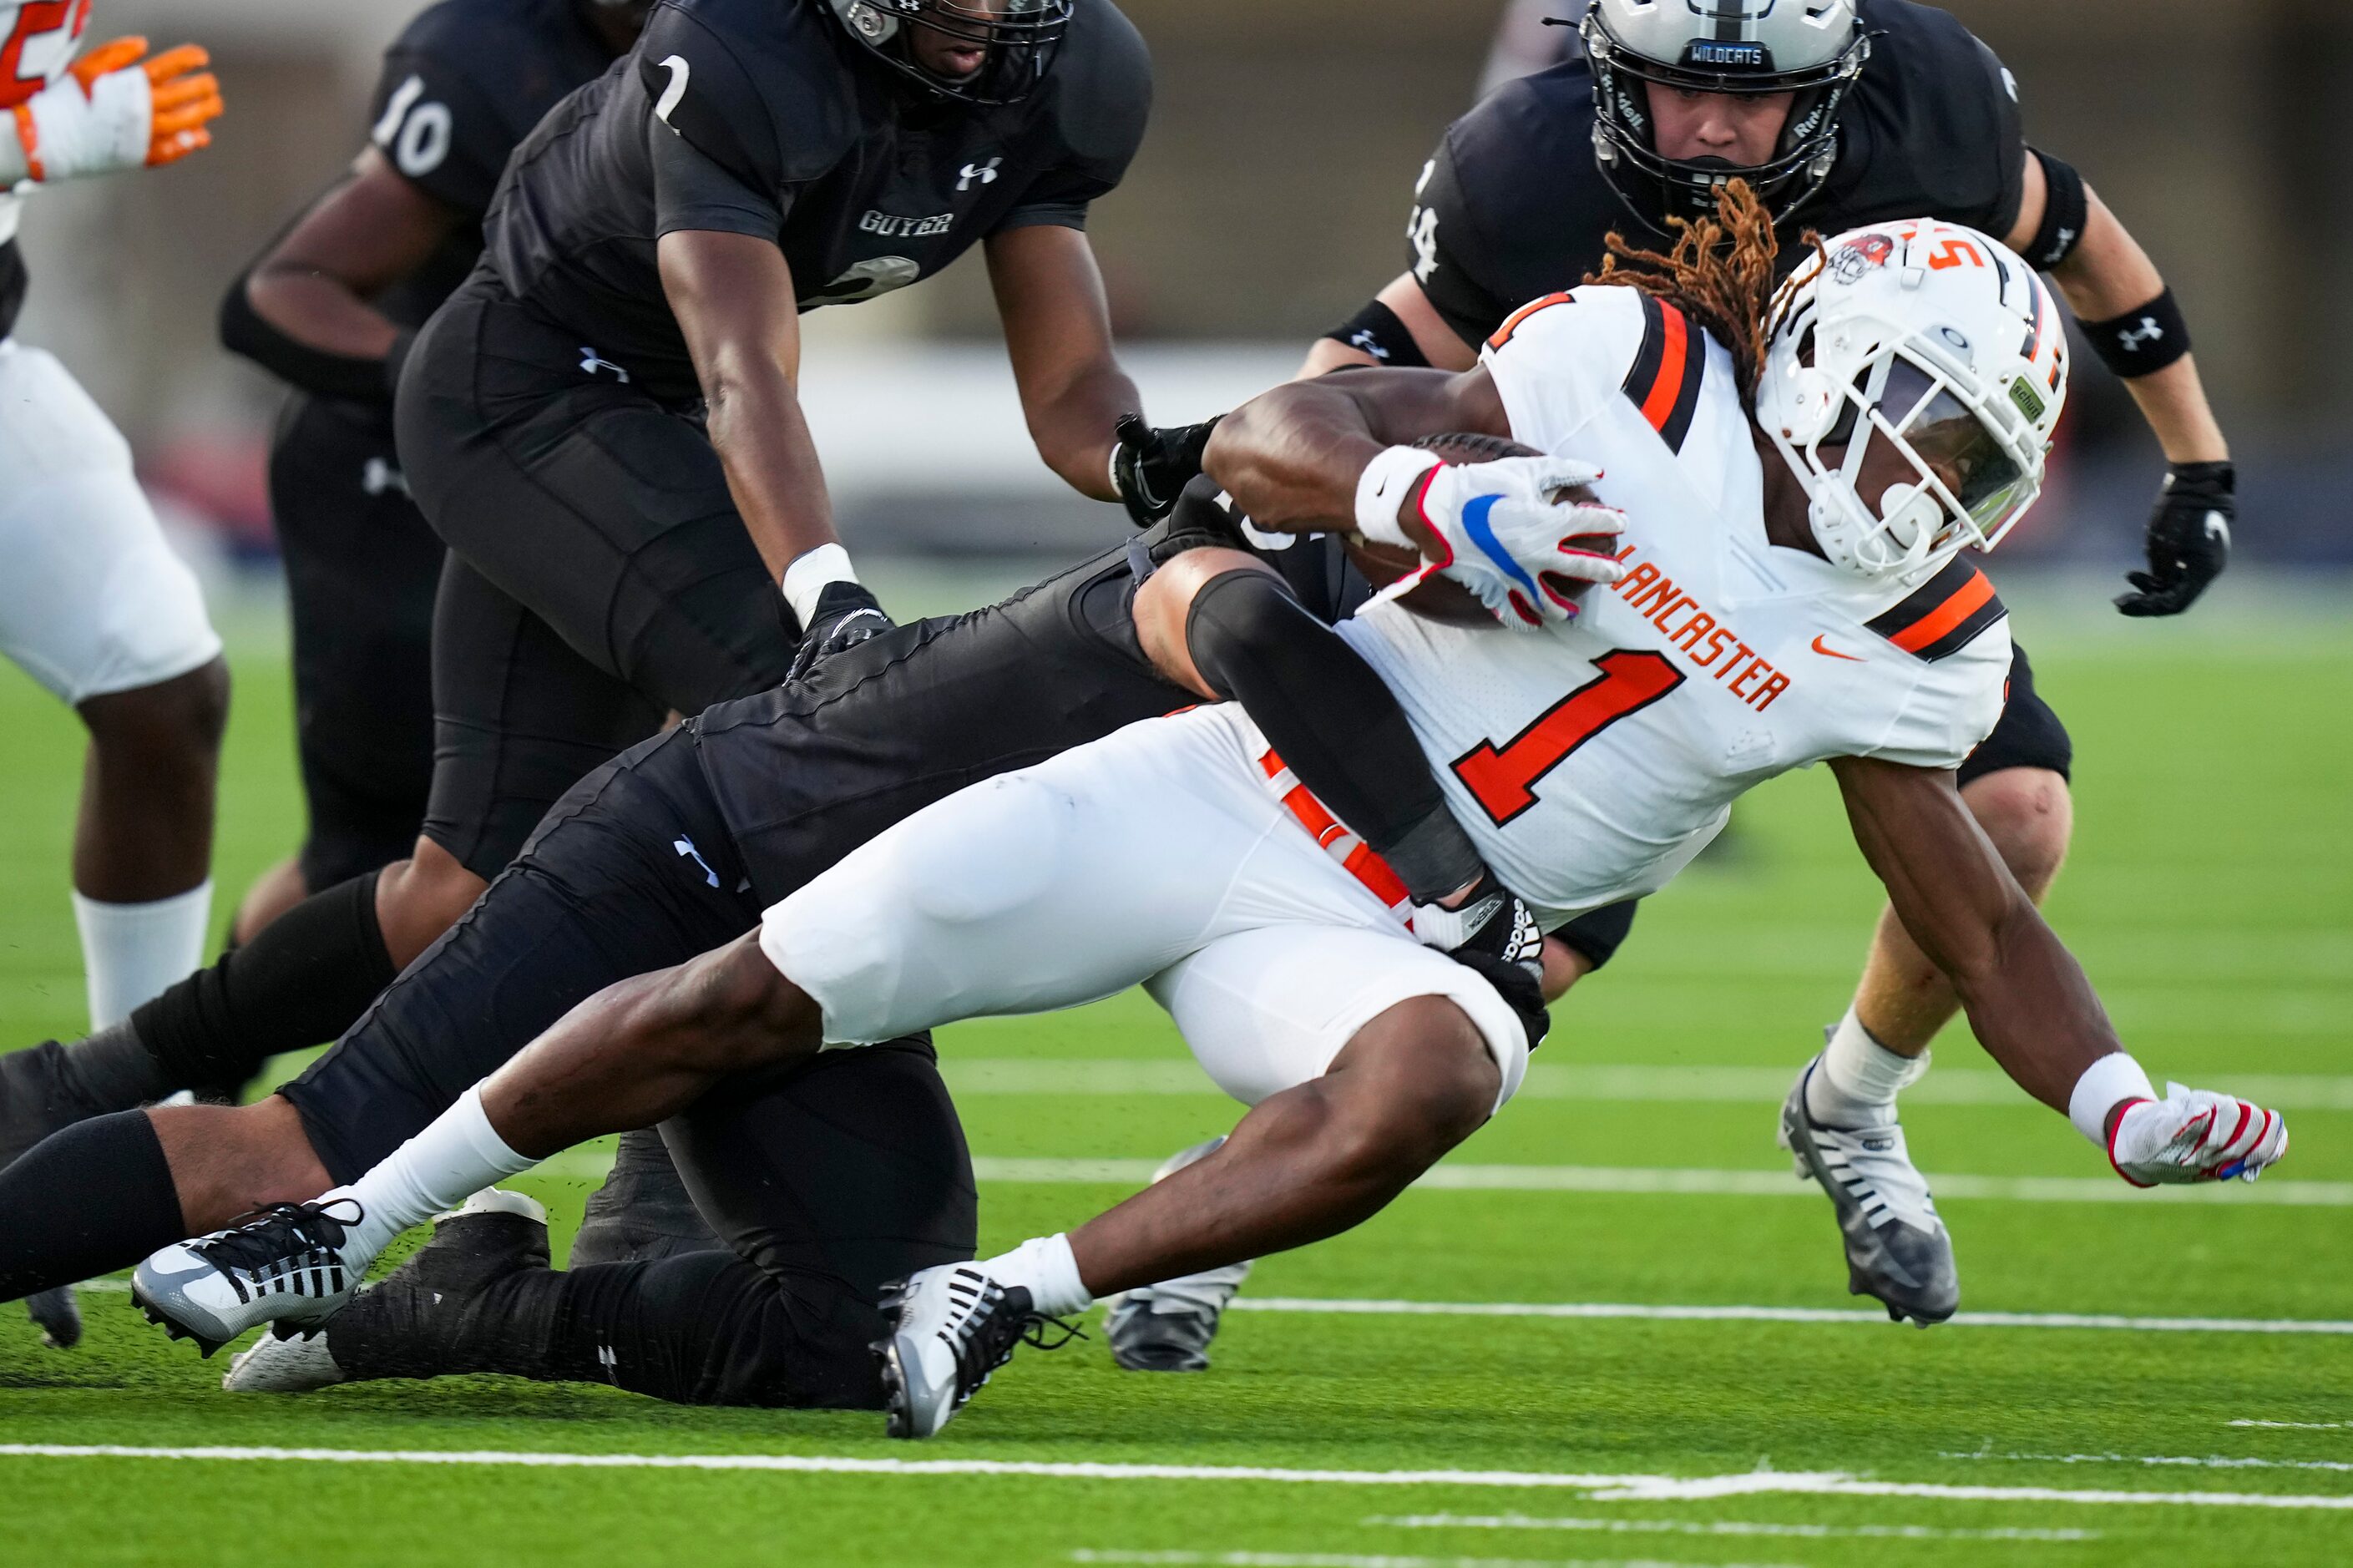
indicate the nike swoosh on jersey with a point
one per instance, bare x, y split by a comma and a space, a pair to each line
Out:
1833, 653
679, 71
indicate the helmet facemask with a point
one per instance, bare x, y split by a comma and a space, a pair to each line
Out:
1654, 185
1017, 40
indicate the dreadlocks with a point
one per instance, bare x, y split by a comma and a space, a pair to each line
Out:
1719, 272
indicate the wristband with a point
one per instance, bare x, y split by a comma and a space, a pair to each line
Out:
2065, 209
2141, 342
1387, 480
1379, 331
2108, 1082
807, 577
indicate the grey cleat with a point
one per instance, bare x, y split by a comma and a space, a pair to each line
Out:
1168, 1327
282, 1265
1897, 1249
408, 1324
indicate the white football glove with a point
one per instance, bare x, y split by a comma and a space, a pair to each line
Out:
1505, 537
111, 111
2192, 1135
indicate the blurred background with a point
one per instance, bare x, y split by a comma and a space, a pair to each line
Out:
1268, 202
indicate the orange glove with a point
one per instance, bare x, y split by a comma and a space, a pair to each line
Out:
114, 110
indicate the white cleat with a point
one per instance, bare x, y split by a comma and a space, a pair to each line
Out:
282, 1265
951, 1327
1897, 1249
301, 1364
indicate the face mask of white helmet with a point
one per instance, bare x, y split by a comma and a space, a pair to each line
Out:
1933, 342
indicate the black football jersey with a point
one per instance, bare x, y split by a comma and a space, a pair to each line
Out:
1513, 207
462, 86
12, 284
759, 117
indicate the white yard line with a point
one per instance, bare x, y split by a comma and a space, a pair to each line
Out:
1609, 1310
1643, 1181
983, 1077
1601, 1488
2184, 1461
1358, 1560
2295, 1426
1722, 1526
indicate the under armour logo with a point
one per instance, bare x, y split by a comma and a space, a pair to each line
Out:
380, 477
590, 364
2218, 529
686, 849
611, 1364
984, 173
1422, 232
1363, 340
2060, 244
2147, 333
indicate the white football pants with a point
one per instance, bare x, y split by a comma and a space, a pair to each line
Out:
1160, 854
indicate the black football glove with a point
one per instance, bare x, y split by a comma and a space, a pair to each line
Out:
2189, 540
847, 615
1493, 931
1152, 466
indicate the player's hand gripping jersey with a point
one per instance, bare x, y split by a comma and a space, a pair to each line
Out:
1591, 760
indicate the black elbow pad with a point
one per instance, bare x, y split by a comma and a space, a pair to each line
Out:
244, 333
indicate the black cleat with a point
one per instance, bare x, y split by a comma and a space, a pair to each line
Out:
58, 1315
417, 1320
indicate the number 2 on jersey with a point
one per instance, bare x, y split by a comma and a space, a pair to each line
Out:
1504, 779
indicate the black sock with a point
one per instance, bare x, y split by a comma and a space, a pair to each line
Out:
84, 1201
1330, 718
703, 1328
304, 980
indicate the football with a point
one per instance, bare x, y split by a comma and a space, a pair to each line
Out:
1441, 598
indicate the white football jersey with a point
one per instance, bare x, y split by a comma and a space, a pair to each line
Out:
38, 41
1591, 760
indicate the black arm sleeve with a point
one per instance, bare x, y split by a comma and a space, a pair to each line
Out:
1334, 722
244, 333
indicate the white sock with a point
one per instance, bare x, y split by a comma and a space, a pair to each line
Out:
1859, 1078
438, 1169
130, 952
1046, 1268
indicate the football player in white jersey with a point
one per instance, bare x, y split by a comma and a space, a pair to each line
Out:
1787, 592
93, 605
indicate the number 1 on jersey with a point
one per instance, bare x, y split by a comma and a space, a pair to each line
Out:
1504, 779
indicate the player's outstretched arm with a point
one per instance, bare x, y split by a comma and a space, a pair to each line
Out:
1050, 295
2131, 321
303, 310
2027, 999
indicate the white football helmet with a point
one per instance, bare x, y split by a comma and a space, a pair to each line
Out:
1935, 337
1813, 48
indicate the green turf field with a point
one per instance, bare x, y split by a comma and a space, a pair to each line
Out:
2211, 896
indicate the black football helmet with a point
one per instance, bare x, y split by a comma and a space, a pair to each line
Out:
1021, 38
1814, 49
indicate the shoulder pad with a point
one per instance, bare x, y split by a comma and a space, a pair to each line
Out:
1101, 89
757, 87
1944, 615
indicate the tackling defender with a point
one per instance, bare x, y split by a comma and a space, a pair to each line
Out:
1588, 760
1840, 113
93, 603
331, 309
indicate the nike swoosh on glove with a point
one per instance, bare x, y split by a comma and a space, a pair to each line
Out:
846, 615
1523, 553
111, 111
2189, 540
2192, 1135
